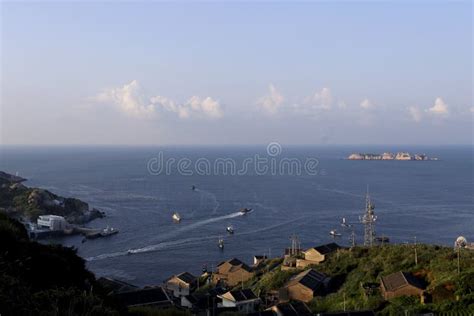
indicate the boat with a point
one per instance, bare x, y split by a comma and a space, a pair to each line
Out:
245, 210
193, 187
221, 243
344, 223
334, 233
131, 251
176, 217
108, 231
230, 229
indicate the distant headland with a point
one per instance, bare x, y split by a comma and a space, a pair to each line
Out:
390, 156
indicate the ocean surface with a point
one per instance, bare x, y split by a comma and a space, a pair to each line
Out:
432, 200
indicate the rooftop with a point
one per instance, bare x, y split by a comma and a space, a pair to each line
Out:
400, 279
310, 278
327, 248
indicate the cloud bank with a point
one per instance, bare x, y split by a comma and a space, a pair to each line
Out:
131, 101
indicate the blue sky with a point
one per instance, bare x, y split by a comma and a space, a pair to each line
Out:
237, 73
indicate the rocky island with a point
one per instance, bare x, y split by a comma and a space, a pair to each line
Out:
405, 156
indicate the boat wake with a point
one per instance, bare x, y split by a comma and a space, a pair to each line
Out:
189, 241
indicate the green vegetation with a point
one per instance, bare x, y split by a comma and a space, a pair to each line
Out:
352, 269
22, 202
38, 279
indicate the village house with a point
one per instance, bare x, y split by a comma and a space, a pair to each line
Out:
114, 286
204, 301
232, 272
316, 255
156, 297
259, 259
400, 284
244, 301
305, 286
295, 308
182, 284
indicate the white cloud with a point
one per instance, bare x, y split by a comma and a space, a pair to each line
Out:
439, 107
131, 101
196, 106
366, 104
416, 113
321, 99
272, 101
128, 99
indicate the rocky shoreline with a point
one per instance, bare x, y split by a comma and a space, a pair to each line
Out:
27, 204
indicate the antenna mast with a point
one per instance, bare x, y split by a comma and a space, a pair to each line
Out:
368, 220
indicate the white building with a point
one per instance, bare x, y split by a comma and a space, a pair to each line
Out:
245, 301
53, 222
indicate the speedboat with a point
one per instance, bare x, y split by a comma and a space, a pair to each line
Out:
221, 243
176, 217
230, 229
244, 210
334, 233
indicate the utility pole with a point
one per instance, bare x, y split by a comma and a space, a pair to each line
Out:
352, 238
368, 220
344, 297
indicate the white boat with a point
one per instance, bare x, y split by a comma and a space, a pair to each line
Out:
344, 223
334, 233
230, 229
176, 217
221, 243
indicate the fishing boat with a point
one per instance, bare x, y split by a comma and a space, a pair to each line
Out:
334, 233
230, 229
108, 231
244, 210
176, 217
221, 243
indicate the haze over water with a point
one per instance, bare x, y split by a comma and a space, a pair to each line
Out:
432, 200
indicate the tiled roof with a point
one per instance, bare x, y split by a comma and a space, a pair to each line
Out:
400, 279
241, 295
310, 278
327, 248
235, 265
146, 296
115, 286
186, 277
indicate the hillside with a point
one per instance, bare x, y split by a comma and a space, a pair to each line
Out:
41, 279
352, 270
22, 202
